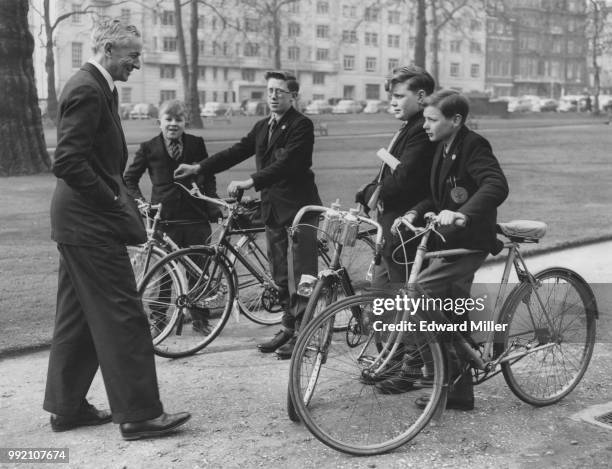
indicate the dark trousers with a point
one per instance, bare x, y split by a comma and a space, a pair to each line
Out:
305, 261
100, 322
452, 278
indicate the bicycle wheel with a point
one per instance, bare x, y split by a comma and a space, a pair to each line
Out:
322, 296
143, 257
549, 337
195, 315
256, 296
345, 411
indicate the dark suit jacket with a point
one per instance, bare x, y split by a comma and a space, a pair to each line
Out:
470, 165
89, 161
177, 204
283, 172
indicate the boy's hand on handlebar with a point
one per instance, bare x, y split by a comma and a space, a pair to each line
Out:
450, 218
408, 218
235, 187
185, 170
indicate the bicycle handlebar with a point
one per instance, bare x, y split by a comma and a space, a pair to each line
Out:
195, 192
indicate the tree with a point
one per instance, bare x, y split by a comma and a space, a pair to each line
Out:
598, 35
421, 34
23, 149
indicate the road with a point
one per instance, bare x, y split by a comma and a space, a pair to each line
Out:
237, 397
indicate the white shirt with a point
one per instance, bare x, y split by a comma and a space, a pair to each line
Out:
104, 73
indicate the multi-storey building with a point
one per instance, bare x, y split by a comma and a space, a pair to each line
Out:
337, 49
537, 47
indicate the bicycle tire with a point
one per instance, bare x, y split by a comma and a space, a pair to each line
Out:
143, 257
207, 297
322, 296
256, 298
547, 375
344, 412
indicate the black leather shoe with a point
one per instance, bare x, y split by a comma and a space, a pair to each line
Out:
284, 352
451, 403
281, 338
87, 416
403, 381
162, 425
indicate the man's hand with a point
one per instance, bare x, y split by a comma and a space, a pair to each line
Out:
186, 170
408, 217
235, 186
450, 218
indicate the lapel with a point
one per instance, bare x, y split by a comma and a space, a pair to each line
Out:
454, 155
281, 127
87, 67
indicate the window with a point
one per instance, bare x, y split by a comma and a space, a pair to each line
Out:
126, 16
475, 47
371, 39
225, 73
455, 46
251, 49
202, 96
316, 96
201, 73
294, 7
371, 14
394, 17
167, 18
349, 11
392, 64
322, 8
202, 47
322, 54
370, 64
167, 71
348, 92
294, 29
165, 95
475, 70
214, 69
318, 78
126, 95
214, 23
322, 31
215, 96
248, 74
372, 91
77, 54
454, 69
169, 44
251, 25
76, 17
201, 21
475, 25
293, 53
349, 36
225, 49
349, 62
393, 40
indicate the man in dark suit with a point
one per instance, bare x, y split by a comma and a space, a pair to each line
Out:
408, 183
282, 144
99, 320
467, 186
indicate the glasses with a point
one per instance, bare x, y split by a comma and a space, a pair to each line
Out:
277, 92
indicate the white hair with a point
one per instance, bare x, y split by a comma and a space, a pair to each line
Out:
111, 31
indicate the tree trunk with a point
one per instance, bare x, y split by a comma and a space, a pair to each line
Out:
421, 34
50, 66
180, 39
435, 45
595, 46
193, 102
22, 150
277, 32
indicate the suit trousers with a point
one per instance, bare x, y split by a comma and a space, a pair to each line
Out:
305, 261
100, 322
452, 277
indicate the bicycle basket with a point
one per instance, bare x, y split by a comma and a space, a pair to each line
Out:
248, 215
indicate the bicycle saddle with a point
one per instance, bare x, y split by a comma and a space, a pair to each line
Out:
523, 230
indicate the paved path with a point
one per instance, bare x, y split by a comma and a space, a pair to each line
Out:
237, 397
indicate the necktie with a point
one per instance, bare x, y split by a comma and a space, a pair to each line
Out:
115, 98
271, 129
175, 149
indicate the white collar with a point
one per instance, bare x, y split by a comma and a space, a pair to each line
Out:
104, 72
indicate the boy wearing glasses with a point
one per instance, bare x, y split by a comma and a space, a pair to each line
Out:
282, 144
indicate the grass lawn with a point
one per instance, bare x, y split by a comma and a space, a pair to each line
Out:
560, 174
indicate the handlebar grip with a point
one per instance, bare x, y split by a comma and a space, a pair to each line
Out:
239, 194
460, 222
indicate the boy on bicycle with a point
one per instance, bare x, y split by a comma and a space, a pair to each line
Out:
160, 156
467, 185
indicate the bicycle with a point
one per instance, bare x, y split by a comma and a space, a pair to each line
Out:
167, 294
340, 229
543, 351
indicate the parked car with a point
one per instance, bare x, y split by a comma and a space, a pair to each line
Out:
527, 103
374, 106
548, 105
214, 109
568, 103
143, 111
509, 100
347, 106
256, 107
318, 106
125, 109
